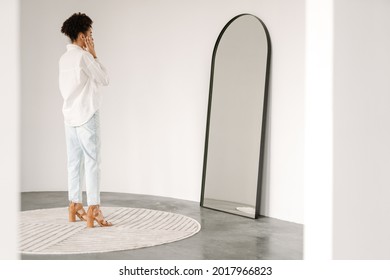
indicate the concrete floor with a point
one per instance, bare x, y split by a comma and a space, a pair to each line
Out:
223, 236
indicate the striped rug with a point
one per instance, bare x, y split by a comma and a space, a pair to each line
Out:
47, 231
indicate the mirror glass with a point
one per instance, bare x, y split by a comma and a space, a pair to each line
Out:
235, 128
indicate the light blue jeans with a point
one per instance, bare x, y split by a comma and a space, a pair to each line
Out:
83, 149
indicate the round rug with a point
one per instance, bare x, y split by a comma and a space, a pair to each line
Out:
48, 231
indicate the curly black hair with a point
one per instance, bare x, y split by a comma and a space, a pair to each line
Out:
77, 23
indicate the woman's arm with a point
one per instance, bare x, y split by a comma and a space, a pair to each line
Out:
94, 69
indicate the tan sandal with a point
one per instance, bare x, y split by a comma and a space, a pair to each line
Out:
76, 209
95, 214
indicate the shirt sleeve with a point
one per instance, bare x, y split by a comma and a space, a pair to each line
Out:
95, 70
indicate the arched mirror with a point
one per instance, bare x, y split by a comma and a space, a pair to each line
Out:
236, 117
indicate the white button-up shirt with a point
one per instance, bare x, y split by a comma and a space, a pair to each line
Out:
80, 76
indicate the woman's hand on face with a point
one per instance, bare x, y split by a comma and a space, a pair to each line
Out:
90, 46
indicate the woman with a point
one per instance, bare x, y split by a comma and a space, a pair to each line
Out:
80, 76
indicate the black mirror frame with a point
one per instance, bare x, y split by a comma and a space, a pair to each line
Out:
264, 120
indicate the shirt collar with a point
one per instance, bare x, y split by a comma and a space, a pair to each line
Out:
73, 46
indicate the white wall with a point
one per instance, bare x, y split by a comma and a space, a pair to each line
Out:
158, 54
10, 133
318, 167
362, 130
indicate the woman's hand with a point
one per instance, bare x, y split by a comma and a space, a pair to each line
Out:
90, 46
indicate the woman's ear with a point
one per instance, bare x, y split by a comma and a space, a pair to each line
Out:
81, 35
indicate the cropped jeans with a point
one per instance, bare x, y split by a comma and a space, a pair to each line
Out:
83, 150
